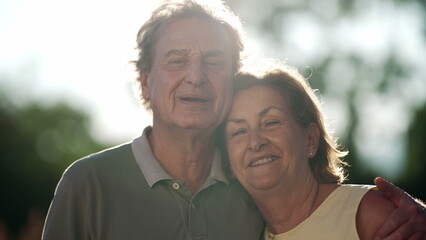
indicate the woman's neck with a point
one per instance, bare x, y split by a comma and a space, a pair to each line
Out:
284, 210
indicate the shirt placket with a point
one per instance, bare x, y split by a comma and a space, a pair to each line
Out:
191, 210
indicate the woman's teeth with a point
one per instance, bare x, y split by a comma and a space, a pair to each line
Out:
262, 161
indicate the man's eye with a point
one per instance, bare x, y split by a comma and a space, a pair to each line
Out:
271, 123
178, 61
214, 63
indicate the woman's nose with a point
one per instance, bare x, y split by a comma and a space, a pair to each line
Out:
257, 141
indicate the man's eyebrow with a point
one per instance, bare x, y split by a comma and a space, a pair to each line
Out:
214, 53
179, 52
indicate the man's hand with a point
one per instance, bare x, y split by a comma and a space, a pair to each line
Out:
408, 221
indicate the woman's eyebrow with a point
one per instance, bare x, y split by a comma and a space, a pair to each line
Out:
235, 120
268, 109
261, 113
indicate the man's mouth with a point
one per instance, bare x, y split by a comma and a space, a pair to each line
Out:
194, 99
263, 160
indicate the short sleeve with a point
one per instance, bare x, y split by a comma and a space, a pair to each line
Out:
66, 216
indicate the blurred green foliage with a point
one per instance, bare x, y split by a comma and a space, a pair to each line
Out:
37, 143
355, 80
414, 178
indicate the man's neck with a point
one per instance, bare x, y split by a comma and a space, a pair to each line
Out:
186, 155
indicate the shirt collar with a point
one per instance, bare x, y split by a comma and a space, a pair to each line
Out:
154, 172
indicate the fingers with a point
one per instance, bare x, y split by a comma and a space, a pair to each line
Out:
397, 219
406, 233
409, 218
418, 236
389, 190
412, 226
394, 227
401, 233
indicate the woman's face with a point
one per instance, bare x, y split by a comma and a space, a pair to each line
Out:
266, 146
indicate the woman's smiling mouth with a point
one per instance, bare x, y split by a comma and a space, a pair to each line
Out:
263, 160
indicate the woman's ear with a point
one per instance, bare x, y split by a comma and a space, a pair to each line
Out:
143, 79
313, 139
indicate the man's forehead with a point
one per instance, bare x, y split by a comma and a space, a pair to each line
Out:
186, 34
185, 52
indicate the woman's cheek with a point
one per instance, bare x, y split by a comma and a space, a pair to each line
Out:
237, 157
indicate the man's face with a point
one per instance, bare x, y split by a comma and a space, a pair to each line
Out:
190, 82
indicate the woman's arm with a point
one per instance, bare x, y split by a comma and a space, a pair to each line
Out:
408, 221
373, 211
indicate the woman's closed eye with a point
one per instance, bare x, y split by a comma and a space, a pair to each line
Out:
236, 133
271, 123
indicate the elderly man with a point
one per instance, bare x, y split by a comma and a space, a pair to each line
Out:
168, 183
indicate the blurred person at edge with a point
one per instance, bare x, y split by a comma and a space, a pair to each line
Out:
280, 150
168, 183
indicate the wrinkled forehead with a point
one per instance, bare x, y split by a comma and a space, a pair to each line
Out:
194, 32
264, 96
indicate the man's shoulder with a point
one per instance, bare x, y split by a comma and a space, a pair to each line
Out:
104, 160
119, 151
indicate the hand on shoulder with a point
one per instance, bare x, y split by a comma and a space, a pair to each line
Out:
373, 210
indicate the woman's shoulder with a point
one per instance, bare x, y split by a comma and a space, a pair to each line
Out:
373, 210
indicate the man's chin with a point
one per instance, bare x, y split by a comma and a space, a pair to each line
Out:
198, 126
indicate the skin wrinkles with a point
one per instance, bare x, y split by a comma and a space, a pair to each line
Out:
190, 83
178, 58
190, 89
241, 121
269, 150
265, 130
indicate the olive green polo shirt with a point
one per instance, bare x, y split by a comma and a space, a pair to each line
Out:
124, 193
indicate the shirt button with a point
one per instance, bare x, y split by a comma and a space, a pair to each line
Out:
176, 186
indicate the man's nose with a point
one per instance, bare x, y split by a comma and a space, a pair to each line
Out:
257, 141
196, 74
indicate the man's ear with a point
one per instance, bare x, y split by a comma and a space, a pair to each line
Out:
143, 79
313, 139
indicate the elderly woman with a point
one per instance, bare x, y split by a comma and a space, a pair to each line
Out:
281, 152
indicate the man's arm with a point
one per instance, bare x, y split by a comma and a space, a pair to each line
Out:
65, 219
408, 221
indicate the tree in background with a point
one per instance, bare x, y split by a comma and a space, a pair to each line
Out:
374, 93
37, 143
367, 59
414, 178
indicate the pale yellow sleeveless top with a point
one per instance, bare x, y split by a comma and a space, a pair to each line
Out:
335, 218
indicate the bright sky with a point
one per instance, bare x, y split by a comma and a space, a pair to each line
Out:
78, 51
